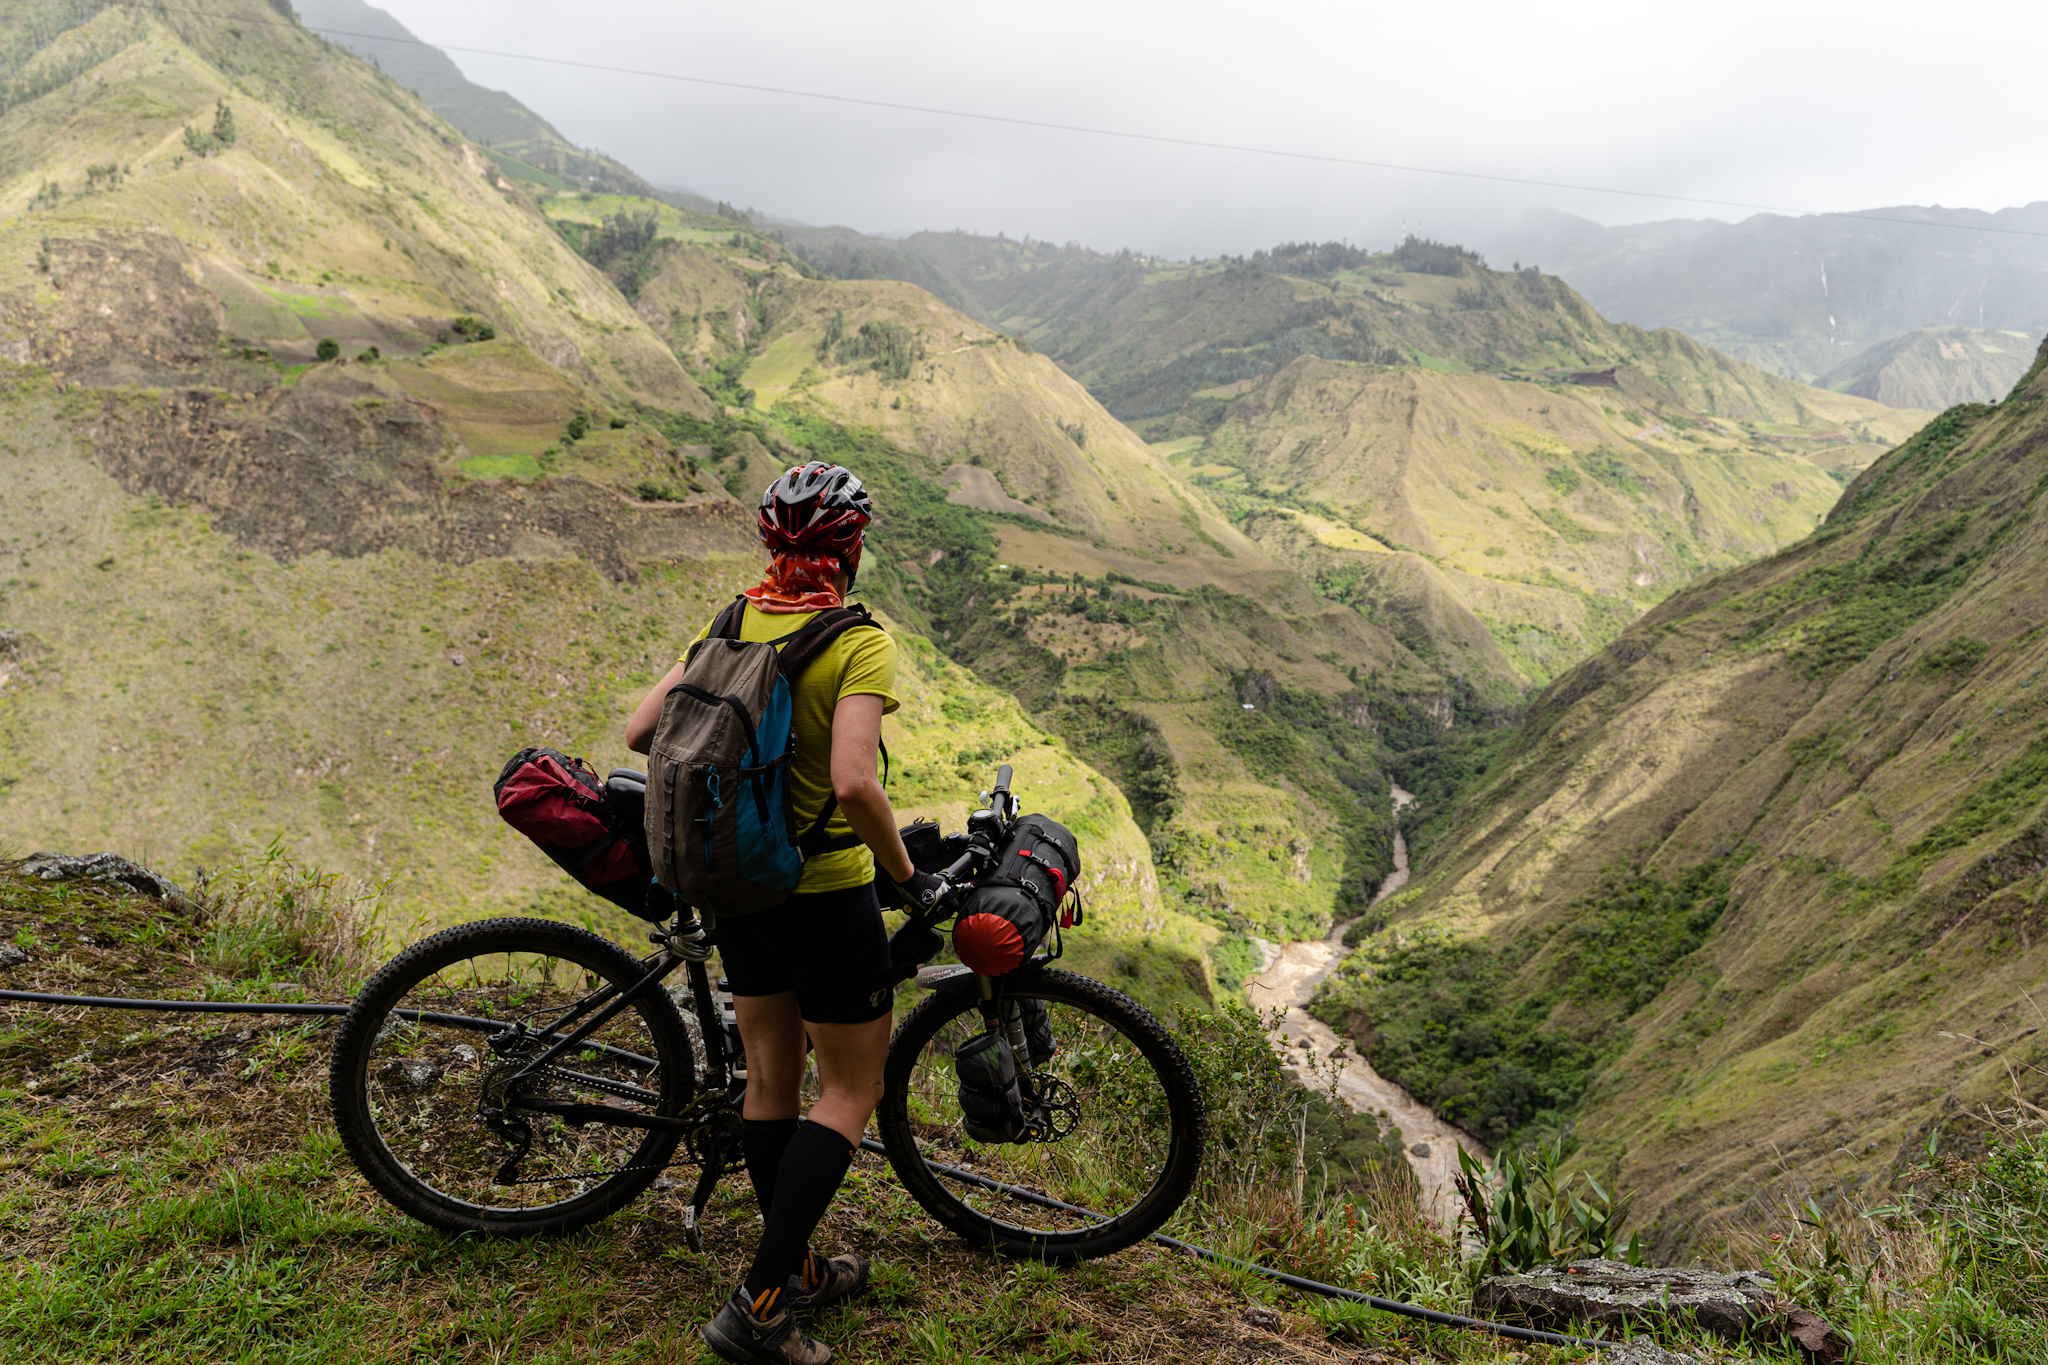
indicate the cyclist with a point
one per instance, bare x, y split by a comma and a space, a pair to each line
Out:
815, 967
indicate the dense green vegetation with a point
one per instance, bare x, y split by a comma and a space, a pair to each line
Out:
1469, 1026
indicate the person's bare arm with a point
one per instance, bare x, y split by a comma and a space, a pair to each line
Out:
856, 736
640, 725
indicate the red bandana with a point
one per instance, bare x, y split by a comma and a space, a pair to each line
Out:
797, 582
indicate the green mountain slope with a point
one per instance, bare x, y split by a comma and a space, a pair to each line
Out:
243, 590
1539, 474
525, 146
1754, 895
1800, 296
1934, 367
1549, 513
1146, 336
342, 207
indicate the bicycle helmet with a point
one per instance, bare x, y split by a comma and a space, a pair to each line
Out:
817, 506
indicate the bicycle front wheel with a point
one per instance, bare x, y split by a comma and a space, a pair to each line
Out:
1118, 1157
426, 1092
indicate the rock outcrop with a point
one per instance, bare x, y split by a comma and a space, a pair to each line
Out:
1583, 1296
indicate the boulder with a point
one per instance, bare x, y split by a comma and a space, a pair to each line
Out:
105, 867
1744, 1305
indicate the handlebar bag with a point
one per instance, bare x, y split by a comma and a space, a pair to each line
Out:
592, 829
1013, 907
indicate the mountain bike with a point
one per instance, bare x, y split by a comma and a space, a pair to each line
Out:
520, 1076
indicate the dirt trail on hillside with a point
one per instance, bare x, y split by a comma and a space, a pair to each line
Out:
1289, 979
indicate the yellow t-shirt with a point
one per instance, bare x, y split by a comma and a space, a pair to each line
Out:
861, 662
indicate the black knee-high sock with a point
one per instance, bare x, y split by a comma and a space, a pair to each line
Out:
812, 1167
764, 1141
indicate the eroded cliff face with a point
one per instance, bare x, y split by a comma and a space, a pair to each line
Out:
1768, 871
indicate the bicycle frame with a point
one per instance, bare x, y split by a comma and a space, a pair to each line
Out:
710, 1125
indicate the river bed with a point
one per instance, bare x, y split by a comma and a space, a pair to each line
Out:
1291, 975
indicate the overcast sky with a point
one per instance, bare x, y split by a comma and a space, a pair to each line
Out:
1806, 105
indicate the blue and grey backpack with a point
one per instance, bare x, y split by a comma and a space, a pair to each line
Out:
721, 819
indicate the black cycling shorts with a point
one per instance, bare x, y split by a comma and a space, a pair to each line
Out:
830, 947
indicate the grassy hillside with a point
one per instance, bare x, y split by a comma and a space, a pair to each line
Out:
1800, 296
1340, 404
524, 146
326, 598
1934, 367
313, 198
1162, 342
1505, 530
1753, 898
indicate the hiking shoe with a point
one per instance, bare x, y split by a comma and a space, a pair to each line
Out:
738, 1335
822, 1280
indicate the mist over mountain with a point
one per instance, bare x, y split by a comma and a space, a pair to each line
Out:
1803, 296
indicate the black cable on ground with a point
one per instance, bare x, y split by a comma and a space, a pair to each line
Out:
105, 1002
1328, 1291
1295, 1282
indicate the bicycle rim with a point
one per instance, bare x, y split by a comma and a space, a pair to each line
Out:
424, 1083
1125, 1102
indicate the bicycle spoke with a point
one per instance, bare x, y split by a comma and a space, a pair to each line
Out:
1113, 1154
444, 1098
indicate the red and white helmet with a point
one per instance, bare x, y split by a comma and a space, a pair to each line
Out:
818, 507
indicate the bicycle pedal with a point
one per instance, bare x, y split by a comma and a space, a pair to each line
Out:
693, 1235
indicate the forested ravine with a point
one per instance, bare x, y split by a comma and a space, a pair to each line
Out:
1290, 977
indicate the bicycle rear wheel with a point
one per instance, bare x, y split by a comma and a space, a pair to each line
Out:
1130, 1123
419, 1079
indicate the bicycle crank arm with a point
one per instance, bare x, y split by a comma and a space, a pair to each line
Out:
577, 1112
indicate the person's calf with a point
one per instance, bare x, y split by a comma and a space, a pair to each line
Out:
813, 1165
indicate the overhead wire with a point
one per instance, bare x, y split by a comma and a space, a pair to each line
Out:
1132, 135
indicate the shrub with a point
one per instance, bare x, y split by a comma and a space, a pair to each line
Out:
890, 349
267, 917
579, 427
219, 139
1435, 258
328, 349
1524, 1214
369, 353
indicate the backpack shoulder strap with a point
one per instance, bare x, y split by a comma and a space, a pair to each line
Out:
801, 647
726, 625
797, 654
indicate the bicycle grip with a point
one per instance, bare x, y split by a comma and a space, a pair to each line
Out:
1003, 778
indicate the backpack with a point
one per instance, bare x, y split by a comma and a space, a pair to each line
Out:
721, 819
593, 829
1014, 906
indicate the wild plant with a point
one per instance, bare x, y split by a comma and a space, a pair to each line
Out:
267, 916
1525, 1212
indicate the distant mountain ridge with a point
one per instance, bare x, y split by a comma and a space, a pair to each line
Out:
526, 146
1935, 367
1407, 428
1801, 296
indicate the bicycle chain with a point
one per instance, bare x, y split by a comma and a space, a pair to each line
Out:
623, 1091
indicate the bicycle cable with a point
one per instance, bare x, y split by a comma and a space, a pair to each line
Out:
1294, 1282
